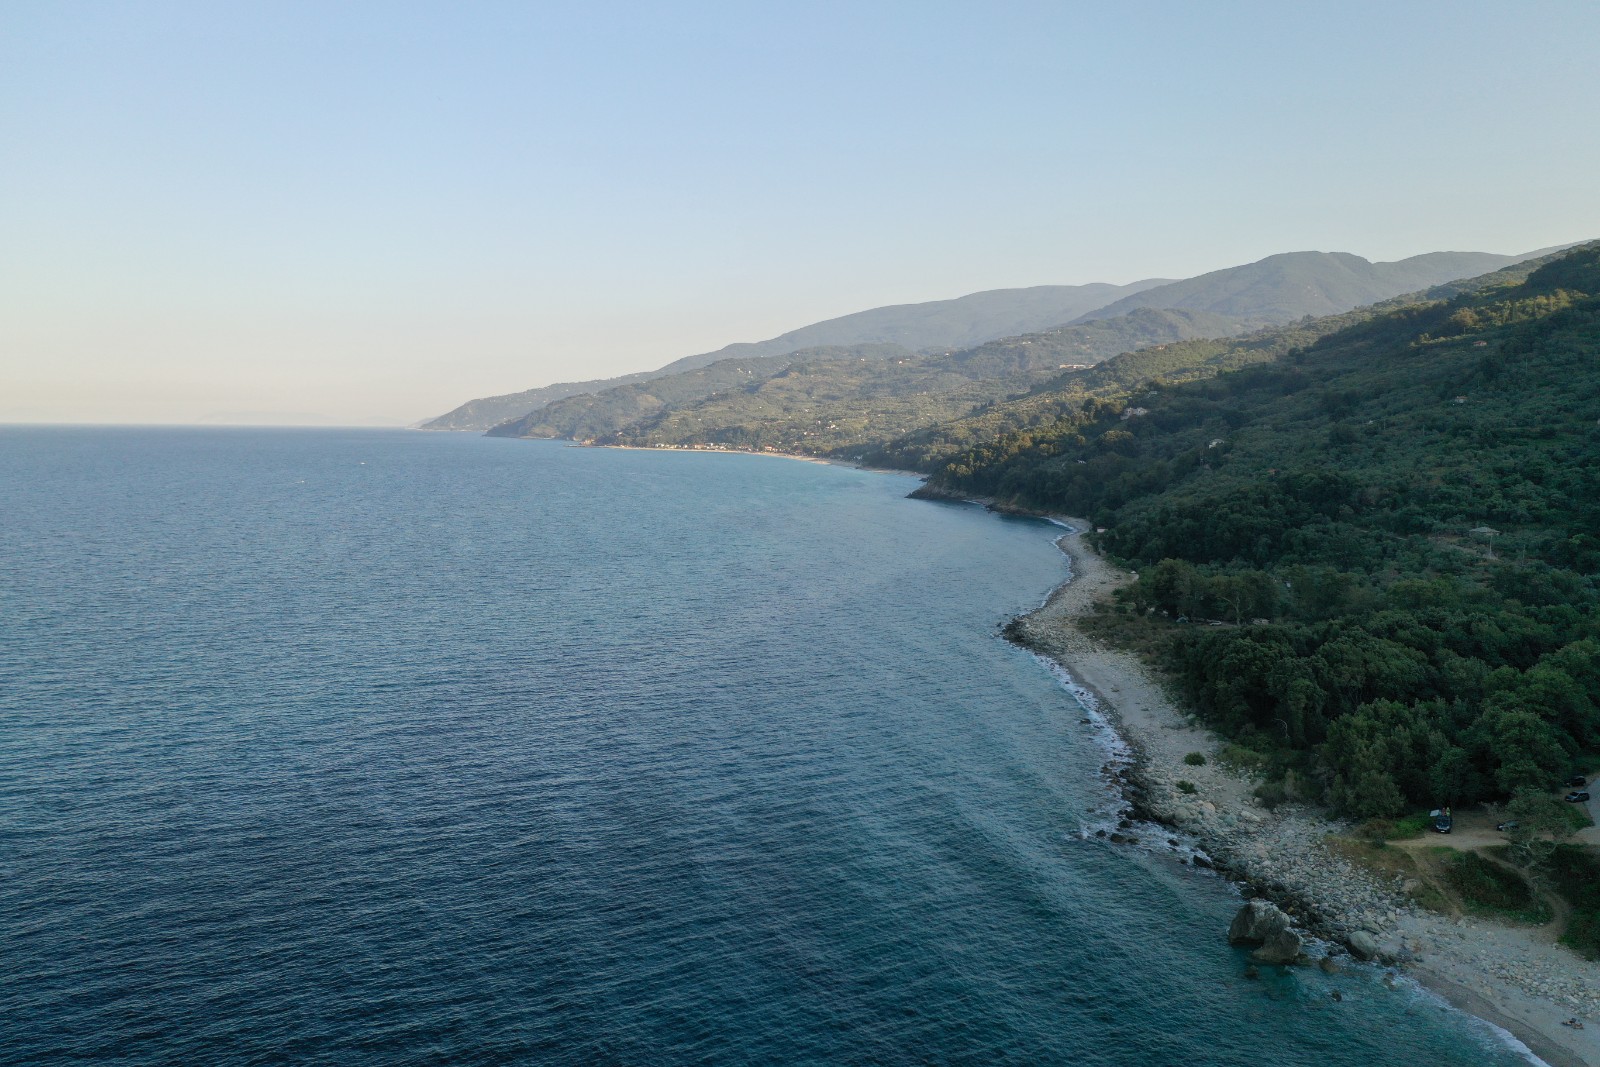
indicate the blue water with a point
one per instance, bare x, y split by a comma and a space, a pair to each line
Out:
392, 748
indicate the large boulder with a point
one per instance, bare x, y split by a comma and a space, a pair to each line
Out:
1282, 947
1262, 924
1256, 921
1363, 946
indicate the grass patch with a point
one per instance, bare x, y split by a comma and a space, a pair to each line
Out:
1137, 633
1575, 872
1394, 829
1486, 888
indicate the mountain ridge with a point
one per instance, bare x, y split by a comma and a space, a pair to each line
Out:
958, 322
837, 405
825, 406
1273, 291
1290, 285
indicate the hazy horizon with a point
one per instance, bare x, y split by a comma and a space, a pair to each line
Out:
247, 418
288, 214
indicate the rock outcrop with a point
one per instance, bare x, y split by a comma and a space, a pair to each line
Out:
1262, 924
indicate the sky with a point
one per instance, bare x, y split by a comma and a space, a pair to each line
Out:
367, 213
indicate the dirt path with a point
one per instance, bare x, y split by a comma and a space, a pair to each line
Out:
1476, 834
1560, 910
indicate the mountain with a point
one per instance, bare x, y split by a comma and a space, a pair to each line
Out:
957, 323
1169, 362
1392, 530
836, 406
1273, 291
479, 415
846, 408
604, 411
1292, 285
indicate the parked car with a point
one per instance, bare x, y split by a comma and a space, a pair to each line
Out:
1578, 796
1577, 779
1506, 827
1441, 820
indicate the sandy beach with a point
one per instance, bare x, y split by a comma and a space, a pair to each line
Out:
1516, 978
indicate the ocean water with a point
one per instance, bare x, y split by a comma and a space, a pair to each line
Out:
361, 747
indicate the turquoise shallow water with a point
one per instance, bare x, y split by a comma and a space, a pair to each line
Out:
390, 748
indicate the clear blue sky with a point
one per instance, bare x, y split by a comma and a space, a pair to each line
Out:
375, 211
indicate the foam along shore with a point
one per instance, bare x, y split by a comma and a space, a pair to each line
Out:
1513, 977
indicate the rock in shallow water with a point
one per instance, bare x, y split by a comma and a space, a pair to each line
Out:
1282, 947
1255, 922
1261, 923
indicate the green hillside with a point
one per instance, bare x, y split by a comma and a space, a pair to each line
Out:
1396, 528
831, 407
1170, 362
957, 323
477, 416
1272, 291
605, 411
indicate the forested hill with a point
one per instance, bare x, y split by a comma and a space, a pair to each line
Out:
892, 407
476, 416
1170, 361
1273, 291
1290, 286
957, 323
605, 411
831, 400
1397, 528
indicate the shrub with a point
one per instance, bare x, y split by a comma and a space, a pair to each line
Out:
1195, 759
1375, 830
1185, 786
1241, 758
1271, 794
1577, 816
1487, 887
1412, 825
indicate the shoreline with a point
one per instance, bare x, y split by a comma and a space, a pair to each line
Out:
1492, 973
1505, 976
824, 460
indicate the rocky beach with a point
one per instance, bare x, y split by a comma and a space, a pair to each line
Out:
1515, 977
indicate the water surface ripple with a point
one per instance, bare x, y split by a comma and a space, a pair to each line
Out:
344, 747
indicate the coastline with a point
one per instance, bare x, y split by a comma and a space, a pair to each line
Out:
1521, 984
1510, 977
750, 452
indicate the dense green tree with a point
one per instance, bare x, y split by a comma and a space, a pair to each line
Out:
1410, 499
1540, 827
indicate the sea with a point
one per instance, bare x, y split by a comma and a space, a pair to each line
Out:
393, 748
